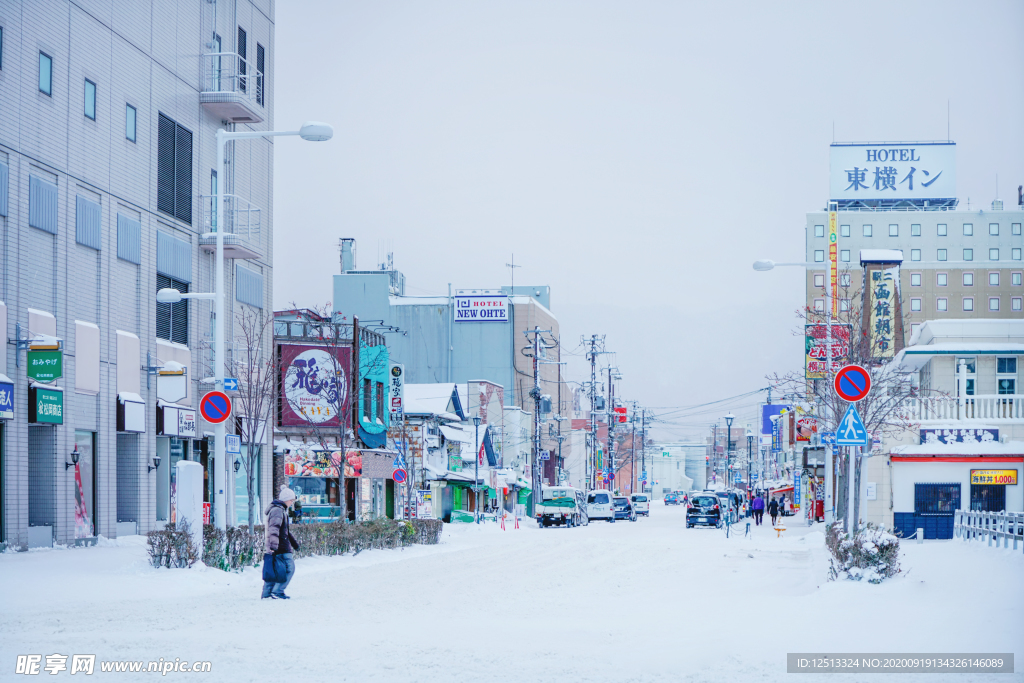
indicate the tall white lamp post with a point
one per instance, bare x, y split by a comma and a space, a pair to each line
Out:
312, 131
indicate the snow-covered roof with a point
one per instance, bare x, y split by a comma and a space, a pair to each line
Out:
954, 449
454, 433
881, 256
441, 399
916, 357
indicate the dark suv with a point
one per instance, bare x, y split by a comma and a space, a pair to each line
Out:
623, 509
704, 508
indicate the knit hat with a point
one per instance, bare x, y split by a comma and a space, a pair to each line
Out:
286, 494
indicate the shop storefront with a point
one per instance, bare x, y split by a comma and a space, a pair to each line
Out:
175, 429
313, 474
930, 482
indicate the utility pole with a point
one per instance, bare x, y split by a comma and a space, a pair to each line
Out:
591, 465
632, 453
643, 450
535, 395
610, 409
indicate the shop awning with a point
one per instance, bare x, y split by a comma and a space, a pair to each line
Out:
131, 412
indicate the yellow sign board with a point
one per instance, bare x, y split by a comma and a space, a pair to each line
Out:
997, 477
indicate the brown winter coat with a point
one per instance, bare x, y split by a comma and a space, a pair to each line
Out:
278, 539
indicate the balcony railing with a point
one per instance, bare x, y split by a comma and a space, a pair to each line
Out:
232, 87
992, 408
323, 332
241, 217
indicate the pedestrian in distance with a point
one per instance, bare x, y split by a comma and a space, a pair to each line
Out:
758, 507
773, 510
280, 542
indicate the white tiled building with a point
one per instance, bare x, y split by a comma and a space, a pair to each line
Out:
108, 113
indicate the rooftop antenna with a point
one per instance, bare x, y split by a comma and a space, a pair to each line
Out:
512, 267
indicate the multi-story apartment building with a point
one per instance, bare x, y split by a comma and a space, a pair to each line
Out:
108, 115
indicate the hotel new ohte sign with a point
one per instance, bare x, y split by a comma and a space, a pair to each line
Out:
481, 306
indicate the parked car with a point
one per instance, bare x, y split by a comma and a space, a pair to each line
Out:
599, 505
561, 505
673, 498
623, 509
641, 503
730, 501
704, 509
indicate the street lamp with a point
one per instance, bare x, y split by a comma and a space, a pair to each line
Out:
728, 446
476, 475
312, 131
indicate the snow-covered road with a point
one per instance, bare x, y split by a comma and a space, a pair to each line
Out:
644, 601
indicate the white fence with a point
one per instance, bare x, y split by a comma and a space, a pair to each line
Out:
996, 408
997, 526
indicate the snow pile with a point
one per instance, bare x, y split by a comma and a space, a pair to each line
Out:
872, 553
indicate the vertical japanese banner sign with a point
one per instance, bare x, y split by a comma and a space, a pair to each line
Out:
884, 290
833, 260
83, 526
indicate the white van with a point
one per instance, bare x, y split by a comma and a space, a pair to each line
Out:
600, 505
641, 503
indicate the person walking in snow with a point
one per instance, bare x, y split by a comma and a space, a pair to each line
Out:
773, 510
758, 507
279, 541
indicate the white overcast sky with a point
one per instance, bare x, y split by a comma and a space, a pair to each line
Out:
635, 156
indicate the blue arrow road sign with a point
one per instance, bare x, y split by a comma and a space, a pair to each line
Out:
230, 384
851, 430
828, 438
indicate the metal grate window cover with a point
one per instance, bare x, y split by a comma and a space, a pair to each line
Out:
172, 319
936, 499
248, 287
88, 222
174, 169
129, 239
243, 52
173, 257
4, 175
42, 204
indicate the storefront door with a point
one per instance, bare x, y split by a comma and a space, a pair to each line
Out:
171, 451
85, 442
41, 486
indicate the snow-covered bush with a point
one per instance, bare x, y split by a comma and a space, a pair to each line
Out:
237, 548
172, 546
872, 554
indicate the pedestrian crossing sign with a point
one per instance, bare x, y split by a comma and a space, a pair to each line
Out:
852, 431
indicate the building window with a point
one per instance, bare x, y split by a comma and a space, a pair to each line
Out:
819, 280
1015, 303
993, 279
819, 255
260, 78
819, 230
968, 303
894, 230
844, 255
940, 255
379, 402
172, 319
844, 230
1015, 254
844, 279
90, 99
968, 254
940, 230
931, 499
129, 122
915, 305
867, 230
968, 229
367, 400
243, 54
993, 303
940, 304
915, 254
970, 365
914, 327
1015, 228
915, 229
1, 48
174, 170
45, 74
968, 279
915, 279
1015, 279
993, 228
993, 254
819, 305
844, 305
940, 279
1006, 375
